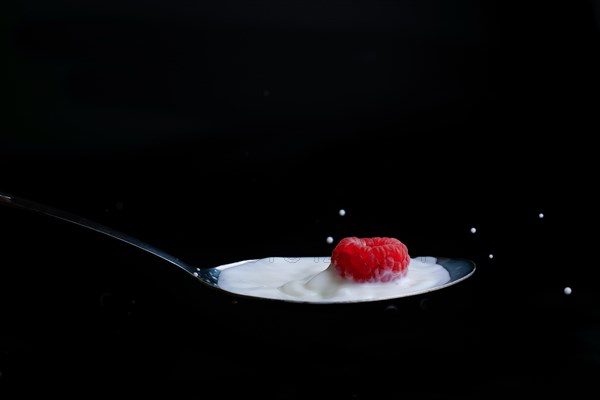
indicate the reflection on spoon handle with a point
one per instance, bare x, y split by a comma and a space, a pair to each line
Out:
10, 200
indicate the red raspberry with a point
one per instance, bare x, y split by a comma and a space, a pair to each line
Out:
377, 259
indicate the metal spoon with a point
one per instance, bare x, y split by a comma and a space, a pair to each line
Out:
458, 268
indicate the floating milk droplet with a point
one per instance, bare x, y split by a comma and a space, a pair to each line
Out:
491, 256
541, 215
473, 230
329, 239
567, 290
342, 212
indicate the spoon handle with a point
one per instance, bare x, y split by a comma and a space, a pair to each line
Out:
18, 202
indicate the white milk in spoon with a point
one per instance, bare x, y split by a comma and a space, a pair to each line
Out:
313, 279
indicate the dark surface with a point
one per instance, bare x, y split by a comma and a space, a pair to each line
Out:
225, 131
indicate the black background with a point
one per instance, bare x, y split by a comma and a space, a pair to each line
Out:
222, 131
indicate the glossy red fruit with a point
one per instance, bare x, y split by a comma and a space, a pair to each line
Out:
376, 259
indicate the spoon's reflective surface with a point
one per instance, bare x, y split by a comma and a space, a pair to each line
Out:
458, 268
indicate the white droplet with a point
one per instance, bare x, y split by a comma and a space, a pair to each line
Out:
567, 290
342, 212
541, 215
491, 256
473, 230
329, 239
